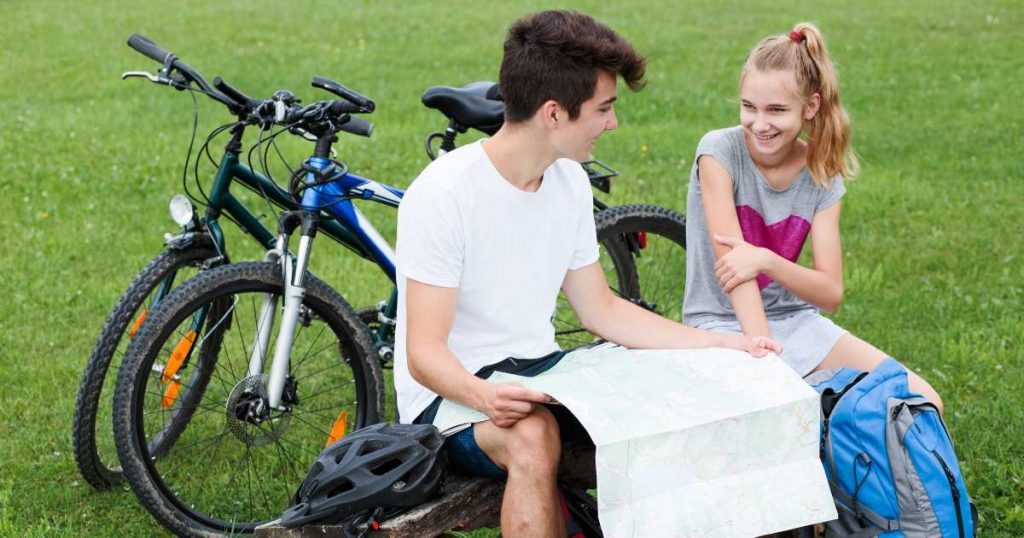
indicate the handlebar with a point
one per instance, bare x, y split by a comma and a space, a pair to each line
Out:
366, 104
319, 119
148, 48
358, 126
243, 100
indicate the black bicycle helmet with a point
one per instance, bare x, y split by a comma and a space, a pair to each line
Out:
380, 466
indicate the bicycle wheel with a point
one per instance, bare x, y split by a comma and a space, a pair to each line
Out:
234, 465
92, 432
643, 254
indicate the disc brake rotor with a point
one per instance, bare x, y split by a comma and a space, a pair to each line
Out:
260, 428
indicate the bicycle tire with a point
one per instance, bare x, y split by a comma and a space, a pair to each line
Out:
98, 466
651, 274
200, 494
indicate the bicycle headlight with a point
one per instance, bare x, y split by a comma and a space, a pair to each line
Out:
181, 209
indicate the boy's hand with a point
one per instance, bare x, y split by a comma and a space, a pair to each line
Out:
508, 403
741, 264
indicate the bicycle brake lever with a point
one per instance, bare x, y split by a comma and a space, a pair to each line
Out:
147, 75
304, 134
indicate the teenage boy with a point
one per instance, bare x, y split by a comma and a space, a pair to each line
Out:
488, 234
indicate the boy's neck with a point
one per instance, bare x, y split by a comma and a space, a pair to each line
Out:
520, 153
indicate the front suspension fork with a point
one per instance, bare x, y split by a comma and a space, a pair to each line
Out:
294, 271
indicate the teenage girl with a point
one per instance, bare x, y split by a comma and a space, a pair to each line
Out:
757, 190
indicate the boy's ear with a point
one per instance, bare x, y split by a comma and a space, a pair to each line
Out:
551, 113
812, 106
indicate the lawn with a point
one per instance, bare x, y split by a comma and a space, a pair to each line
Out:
932, 227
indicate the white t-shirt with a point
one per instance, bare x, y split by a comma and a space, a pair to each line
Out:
462, 225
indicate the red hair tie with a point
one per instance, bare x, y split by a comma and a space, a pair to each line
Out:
797, 37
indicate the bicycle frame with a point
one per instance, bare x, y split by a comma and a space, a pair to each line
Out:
222, 201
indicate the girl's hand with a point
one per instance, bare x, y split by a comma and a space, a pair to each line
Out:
741, 264
758, 346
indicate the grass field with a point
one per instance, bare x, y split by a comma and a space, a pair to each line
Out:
932, 228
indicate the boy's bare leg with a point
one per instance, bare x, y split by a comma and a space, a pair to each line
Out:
856, 353
529, 451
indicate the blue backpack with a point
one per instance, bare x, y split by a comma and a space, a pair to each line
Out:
888, 458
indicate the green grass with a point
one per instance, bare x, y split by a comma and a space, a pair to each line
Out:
931, 229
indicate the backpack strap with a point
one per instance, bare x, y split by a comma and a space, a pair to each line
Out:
865, 512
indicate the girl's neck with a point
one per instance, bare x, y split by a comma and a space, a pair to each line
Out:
780, 169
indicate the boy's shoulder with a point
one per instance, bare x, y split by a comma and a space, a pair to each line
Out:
452, 169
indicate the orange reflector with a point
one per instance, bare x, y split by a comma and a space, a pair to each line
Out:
178, 356
171, 393
338, 431
138, 323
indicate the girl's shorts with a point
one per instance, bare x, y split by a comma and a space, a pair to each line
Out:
807, 337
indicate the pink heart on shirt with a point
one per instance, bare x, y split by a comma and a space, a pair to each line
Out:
785, 238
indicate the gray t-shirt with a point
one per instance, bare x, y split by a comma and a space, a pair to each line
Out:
778, 220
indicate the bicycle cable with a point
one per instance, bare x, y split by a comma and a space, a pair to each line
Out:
265, 169
195, 129
296, 186
205, 148
291, 171
262, 161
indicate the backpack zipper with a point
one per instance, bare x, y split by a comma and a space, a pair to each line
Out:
826, 437
955, 491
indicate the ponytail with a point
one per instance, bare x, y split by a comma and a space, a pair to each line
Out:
803, 52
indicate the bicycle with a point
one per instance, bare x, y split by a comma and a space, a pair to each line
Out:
201, 244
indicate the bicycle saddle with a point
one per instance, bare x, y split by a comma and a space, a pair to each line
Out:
475, 105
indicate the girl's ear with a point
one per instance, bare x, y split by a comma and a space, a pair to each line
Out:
812, 107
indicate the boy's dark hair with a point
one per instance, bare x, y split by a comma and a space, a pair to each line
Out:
556, 55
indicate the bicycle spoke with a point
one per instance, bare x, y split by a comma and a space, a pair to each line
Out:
307, 354
320, 371
312, 426
315, 394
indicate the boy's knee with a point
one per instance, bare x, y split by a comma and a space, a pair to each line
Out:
535, 442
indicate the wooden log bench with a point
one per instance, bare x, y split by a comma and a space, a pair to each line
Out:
467, 503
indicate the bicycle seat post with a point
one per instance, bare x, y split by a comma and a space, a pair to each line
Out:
450, 132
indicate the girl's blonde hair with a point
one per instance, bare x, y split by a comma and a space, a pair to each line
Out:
803, 53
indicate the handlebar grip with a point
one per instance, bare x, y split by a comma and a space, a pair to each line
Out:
148, 48
358, 126
341, 91
234, 93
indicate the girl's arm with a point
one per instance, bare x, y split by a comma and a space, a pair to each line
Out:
721, 219
821, 286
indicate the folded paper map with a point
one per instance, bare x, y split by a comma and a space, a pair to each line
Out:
709, 442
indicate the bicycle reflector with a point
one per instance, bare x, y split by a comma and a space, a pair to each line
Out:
178, 356
181, 209
338, 431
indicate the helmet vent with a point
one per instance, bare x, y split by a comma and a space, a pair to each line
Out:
385, 466
373, 445
343, 486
